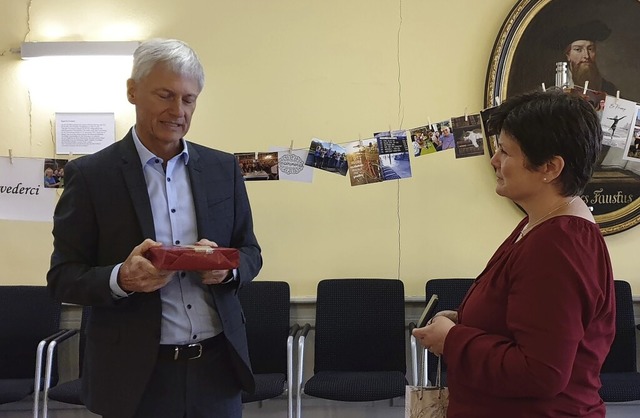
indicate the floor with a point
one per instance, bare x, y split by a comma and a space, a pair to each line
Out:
277, 408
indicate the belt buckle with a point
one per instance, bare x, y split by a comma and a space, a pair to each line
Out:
199, 351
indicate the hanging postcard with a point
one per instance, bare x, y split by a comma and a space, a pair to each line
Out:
258, 165
632, 150
364, 162
490, 136
393, 154
291, 164
423, 140
467, 131
617, 121
327, 156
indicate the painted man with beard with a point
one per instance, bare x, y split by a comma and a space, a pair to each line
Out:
580, 50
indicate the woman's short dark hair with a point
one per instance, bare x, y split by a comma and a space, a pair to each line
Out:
553, 123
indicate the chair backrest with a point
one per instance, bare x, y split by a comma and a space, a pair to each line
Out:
28, 314
266, 306
360, 325
622, 356
450, 293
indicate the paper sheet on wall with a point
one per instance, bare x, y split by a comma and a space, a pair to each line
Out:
23, 196
84, 133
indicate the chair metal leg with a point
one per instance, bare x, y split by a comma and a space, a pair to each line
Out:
425, 367
37, 378
414, 360
300, 380
290, 377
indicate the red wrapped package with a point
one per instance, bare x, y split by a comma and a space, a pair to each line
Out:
193, 257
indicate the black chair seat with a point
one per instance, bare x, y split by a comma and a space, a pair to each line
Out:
13, 390
620, 387
268, 385
356, 386
67, 392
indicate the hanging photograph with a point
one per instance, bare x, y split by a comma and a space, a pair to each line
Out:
327, 156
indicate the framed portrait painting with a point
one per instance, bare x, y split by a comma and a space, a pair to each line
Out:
539, 36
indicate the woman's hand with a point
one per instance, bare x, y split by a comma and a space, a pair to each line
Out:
452, 315
433, 335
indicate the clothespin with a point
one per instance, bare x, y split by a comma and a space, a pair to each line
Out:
10, 155
291, 147
466, 117
586, 86
544, 88
617, 96
498, 101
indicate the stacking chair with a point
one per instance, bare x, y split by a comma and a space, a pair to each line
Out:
450, 293
266, 305
619, 374
30, 318
69, 392
360, 334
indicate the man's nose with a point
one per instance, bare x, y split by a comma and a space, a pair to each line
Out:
176, 107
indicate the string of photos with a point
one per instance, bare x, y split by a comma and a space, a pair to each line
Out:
386, 156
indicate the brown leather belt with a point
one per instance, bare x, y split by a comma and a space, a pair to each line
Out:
189, 351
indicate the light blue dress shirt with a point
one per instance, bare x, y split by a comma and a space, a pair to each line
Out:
188, 308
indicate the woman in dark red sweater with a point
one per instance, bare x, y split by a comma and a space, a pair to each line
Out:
533, 331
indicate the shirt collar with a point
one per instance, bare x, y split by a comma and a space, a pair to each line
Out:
146, 155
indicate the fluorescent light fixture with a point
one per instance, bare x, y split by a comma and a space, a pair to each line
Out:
77, 49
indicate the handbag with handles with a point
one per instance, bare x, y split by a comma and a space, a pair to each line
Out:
427, 401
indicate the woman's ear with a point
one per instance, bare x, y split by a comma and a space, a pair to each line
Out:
552, 168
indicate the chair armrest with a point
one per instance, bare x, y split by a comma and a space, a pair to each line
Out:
51, 348
300, 383
293, 331
37, 382
414, 354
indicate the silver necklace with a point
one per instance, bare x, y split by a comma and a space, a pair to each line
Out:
529, 226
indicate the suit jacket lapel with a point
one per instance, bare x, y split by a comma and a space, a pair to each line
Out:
137, 186
197, 189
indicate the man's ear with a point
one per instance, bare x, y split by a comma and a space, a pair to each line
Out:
553, 168
131, 91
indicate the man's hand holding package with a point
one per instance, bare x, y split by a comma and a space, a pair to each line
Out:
137, 274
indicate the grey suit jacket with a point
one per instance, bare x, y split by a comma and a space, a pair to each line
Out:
103, 213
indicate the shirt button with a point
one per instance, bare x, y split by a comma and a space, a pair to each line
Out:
195, 337
177, 242
157, 161
182, 274
168, 178
189, 306
173, 211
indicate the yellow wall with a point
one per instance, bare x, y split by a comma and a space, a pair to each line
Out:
283, 70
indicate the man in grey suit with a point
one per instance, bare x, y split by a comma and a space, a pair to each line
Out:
159, 343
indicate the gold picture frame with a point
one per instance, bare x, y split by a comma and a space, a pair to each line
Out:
524, 57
